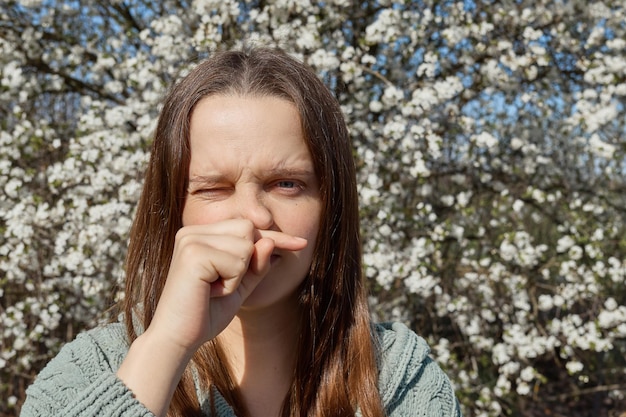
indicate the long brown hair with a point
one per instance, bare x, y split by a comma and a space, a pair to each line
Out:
336, 368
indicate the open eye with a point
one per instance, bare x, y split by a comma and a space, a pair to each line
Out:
287, 184
288, 187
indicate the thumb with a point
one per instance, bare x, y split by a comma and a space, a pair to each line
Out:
258, 267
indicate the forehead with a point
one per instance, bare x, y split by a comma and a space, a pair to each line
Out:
242, 131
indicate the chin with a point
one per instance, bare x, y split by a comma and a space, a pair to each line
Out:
273, 294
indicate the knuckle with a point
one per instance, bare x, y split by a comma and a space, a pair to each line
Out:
248, 247
186, 243
181, 234
188, 248
243, 265
247, 226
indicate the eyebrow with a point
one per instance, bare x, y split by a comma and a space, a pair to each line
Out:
276, 172
290, 172
206, 179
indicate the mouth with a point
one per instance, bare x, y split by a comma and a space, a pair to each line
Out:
274, 258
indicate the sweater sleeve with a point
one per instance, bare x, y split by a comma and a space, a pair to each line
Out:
81, 380
411, 383
429, 394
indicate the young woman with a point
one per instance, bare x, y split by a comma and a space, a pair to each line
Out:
244, 292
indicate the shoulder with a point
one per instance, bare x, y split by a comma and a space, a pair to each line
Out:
403, 358
409, 379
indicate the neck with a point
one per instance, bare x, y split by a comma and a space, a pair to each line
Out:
261, 330
261, 347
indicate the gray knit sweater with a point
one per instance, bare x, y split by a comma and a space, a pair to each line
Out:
81, 381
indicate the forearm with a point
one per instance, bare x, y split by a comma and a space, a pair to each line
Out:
152, 369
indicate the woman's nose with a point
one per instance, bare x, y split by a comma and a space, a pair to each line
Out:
253, 206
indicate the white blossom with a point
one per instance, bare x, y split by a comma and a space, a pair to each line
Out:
470, 146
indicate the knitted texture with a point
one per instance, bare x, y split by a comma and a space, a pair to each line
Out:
410, 382
81, 380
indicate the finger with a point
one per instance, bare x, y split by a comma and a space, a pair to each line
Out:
219, 260
283, 240
223, 270
230, 270
235, 227
259, 266
260, 260
197, 251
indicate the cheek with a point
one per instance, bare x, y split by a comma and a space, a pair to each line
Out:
195, 213
310, 228
190, 214
314, 230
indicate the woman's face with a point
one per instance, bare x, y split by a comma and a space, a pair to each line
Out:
249, 160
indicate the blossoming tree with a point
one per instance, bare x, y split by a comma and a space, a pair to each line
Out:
491, 144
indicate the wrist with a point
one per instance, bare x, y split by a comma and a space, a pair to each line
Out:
152, 369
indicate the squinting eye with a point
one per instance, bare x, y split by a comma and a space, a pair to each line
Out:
209, 193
